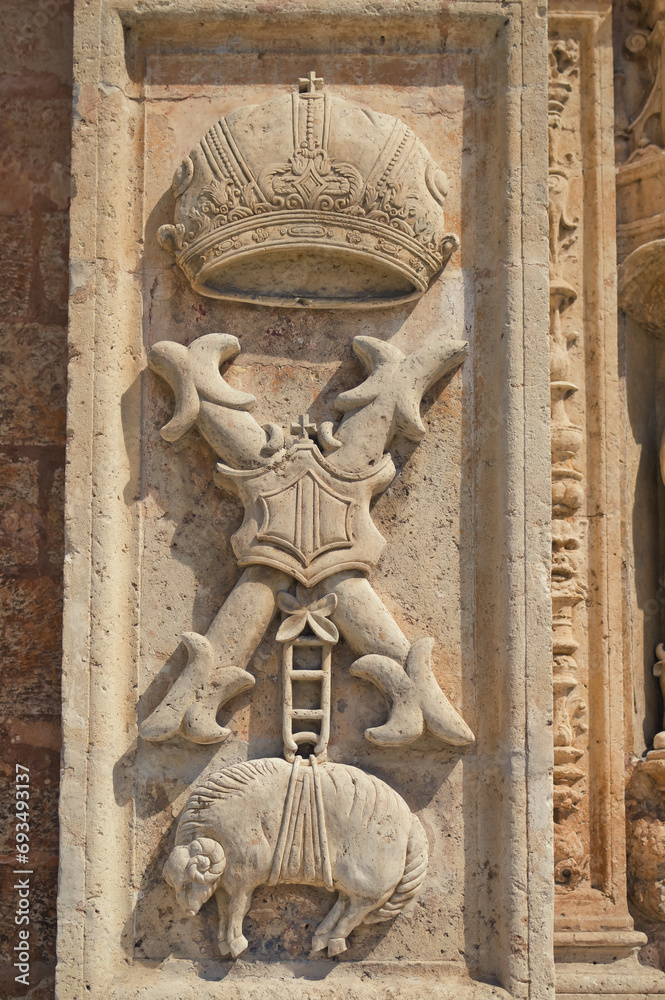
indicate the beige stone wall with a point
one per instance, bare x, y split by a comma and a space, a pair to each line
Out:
137, 83
35, 113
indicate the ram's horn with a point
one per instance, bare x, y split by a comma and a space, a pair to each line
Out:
175, 869
208, 860
171, 361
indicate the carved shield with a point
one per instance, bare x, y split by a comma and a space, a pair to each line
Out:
306, 518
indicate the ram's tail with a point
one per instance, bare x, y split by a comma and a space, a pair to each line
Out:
412, 879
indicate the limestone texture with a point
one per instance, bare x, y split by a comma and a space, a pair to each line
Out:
364, 496
307, 531
35, 130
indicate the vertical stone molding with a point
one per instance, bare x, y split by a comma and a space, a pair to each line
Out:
596, 946
307, 643
569, 552
639, 40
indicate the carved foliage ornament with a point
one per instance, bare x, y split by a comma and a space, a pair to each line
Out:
309, 200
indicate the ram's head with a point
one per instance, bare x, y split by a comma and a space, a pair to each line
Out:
194, 870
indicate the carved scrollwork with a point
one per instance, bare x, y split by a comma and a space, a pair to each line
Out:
312, 179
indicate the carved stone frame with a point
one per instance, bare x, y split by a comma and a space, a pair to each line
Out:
509, 802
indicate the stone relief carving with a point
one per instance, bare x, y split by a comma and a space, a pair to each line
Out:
310, 201
307, 519
307, 543
568, 540
640, 155
306, 823
645, 838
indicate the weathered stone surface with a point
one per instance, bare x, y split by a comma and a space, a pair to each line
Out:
35, 122
31, 612
465, 524
188, 564
451, 90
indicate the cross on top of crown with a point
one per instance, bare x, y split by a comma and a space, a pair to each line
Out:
307, 85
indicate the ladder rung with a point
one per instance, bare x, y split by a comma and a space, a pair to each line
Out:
307, 713
304, 640
306, 737
306, 675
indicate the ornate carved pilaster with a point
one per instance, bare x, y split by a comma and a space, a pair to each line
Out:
592, 924
571, 849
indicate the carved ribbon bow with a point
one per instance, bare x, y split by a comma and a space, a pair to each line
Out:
315, 615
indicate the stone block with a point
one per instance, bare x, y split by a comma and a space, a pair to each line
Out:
30, 610
21, 521
55, 517
32, 384
39, 34
16, 263
33, 742
35, 158
43, 885
53, 257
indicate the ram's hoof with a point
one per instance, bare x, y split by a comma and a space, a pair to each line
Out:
336, 946
238, 945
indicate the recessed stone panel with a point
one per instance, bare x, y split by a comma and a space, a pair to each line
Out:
307, 622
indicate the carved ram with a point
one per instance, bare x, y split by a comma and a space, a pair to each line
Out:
269, 822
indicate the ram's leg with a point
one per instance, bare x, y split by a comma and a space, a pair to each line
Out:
238, 906
353, 915
222, 898
215, 671
322, 932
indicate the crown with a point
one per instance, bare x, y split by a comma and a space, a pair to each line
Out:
309, 200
